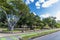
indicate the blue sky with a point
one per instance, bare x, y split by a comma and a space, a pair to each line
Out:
45, 8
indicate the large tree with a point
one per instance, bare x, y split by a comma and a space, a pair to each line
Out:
15, 7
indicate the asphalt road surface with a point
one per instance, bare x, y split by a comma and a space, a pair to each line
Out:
53, 36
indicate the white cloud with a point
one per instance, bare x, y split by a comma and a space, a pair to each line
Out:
38, 7
41, 1
45, 15
49, 3
44, 5
37, 4
32, 0
29, 1
57, 15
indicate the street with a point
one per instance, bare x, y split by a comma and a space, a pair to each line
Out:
53, 36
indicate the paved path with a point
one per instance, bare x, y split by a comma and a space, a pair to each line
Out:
53, 36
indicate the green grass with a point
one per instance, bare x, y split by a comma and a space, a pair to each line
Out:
2, 38
3, 28
14, 38
7, 31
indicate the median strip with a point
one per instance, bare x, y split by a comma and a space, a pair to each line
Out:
37, 34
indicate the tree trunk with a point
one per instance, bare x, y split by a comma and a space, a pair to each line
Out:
11, 28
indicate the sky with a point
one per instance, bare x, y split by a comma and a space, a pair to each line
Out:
45, 8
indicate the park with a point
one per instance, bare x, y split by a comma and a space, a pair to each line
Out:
17, 22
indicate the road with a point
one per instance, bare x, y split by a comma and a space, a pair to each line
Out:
53, 36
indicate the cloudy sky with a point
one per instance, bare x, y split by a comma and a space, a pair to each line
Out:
45, 8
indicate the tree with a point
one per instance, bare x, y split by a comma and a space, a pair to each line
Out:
15, 7
50, 21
